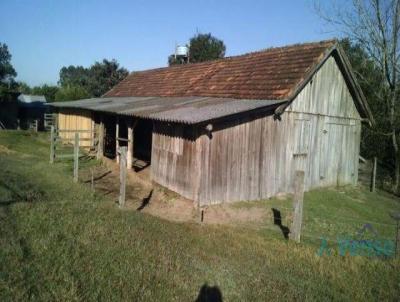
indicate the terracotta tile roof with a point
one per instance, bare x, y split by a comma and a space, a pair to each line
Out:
269, 74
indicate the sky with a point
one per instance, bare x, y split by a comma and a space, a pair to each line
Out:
43, 35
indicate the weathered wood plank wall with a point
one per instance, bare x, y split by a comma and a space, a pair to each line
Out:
173, 158
335, 128
250, 159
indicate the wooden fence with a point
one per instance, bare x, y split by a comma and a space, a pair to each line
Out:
50, 119
58, 142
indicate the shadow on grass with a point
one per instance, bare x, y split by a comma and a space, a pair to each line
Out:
209, 294
278, 221
98, 177
145, 201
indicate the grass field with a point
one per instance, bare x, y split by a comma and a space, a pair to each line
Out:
58, 241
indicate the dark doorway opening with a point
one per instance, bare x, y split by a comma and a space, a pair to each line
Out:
109, 137
142, 145
123, 132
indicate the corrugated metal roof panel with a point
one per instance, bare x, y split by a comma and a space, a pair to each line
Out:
28, 98
188, 110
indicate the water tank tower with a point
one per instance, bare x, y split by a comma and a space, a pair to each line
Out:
182, 51
182, 54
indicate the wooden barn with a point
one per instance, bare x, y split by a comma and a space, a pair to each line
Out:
235, 128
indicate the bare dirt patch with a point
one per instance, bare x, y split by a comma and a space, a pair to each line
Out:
144, 196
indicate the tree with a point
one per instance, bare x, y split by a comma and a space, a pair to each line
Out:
96, 80
74, 76
205, 47
7, 71
24, 88
375, 26
370, 78
104, 75
48, 91
71, 93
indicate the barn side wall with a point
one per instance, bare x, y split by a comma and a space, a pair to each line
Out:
74, 119
247, 161
256, 158
174, 158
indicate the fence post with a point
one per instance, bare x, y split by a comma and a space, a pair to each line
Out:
100, 145
52, 144
373, 176
298, 197
122, 176
76, 157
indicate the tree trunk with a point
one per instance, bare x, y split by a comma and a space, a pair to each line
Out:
393, 99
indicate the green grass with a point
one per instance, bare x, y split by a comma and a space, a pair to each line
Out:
334, 213
58, 241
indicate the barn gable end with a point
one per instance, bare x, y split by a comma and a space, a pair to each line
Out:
327, 93
327, 120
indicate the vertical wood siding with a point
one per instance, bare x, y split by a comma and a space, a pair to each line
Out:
70, 119
255, 158
326, 94
173, 159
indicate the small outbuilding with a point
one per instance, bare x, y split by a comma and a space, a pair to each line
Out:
235, 128
31, 109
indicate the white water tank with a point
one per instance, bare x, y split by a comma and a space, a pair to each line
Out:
182, 51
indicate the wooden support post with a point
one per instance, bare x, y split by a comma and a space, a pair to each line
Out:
18, 124
36, 125
116, 139
129, 153
298, 197
131, 143
52, 144
76, 157
100, 145
122, 176
92, 133
373, 176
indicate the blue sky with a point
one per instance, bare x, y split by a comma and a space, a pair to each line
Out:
45, 35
